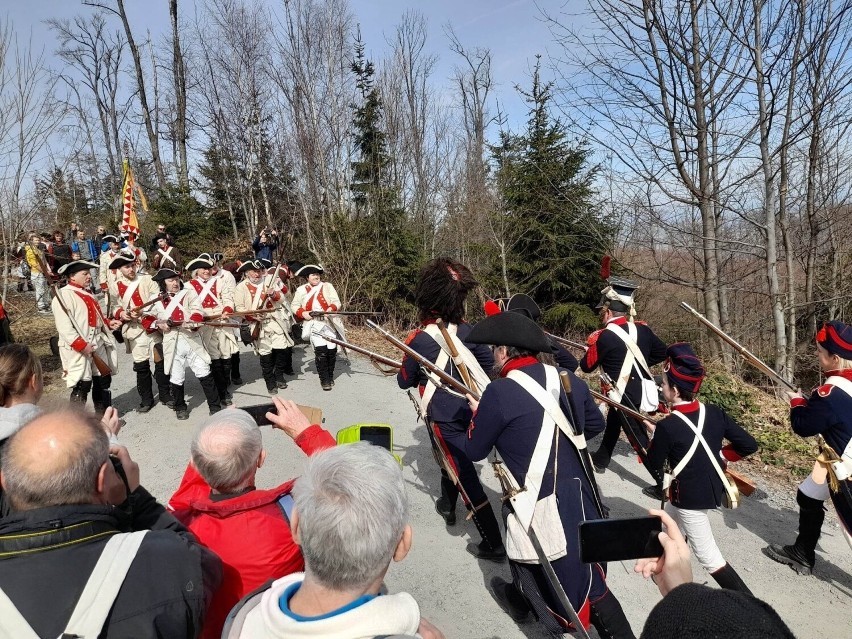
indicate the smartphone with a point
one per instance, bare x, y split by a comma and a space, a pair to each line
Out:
258, 413
377, 435
603, 540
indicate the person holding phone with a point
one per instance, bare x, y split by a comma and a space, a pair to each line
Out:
696, 485
249, 528
542, 441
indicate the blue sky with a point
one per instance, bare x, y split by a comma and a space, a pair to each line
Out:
512, 29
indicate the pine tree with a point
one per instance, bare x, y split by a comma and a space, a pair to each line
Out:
545, 184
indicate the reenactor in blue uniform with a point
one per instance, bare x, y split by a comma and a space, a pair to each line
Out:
512, 416
615, 348
828, 412
697, 473
440, 293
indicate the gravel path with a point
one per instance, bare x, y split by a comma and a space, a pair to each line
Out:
448, 583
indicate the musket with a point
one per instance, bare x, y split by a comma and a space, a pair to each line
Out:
255, 332
243, 313
743, 352
508, 493
366, 313
191, 324
585, 458
454, 352
444, 463
445, 377
142, 307
103, 368
564, 341
380, 359
629, 429
611, 402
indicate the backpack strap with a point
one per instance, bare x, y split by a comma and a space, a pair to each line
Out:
99, 595
95, 602
12, 623
237, 617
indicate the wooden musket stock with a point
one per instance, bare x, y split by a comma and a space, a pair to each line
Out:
454, 353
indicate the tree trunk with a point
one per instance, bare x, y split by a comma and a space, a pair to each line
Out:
179, 75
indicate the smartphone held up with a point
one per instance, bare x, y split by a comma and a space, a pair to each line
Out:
603, 540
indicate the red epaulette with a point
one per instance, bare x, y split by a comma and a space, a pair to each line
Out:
592, 339
825, 390
411, 336
642, 322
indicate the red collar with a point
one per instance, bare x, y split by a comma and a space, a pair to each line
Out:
518, 362
689, 407
845, 373
619, 321
72, 284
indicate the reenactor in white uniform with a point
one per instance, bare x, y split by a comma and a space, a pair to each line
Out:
208, 296
273, 345
84, 336
181, 344
132, 290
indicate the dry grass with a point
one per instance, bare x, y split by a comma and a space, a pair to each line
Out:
34, 330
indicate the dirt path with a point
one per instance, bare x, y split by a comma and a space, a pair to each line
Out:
448, 583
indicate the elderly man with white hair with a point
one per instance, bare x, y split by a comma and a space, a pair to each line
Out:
351, 520
217, 500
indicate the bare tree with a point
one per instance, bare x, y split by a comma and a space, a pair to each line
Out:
179, 79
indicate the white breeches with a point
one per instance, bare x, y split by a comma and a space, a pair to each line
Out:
695, 526
187, 357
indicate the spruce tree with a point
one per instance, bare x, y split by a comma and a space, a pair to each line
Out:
545, 185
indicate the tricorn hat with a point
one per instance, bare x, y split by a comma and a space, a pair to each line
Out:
264, 263
250, 265
683, 368
165, 274
510, 329
217, 257
836, 338
618, 296
111, 239
73, 267
124, 256
202, 261
309, 269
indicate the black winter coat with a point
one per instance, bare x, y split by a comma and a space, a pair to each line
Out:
165, 594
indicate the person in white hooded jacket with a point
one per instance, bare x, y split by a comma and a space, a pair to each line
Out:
358, 487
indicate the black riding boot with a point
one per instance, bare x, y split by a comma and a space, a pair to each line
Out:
608, 618
101, 395
145, 386
267, 368
288, 360
279, 366
208, 385
221, 385
181, 409
321, 360
236, 378
801, 556
728, 578
446, 503
80, 391
164, 387
491, 546
332, 358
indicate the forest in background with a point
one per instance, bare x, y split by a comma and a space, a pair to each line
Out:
702, 144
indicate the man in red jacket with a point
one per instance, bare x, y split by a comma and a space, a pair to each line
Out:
217, 500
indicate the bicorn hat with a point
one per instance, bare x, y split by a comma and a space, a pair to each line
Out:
202, 261
510, 329
309, 269
520, 303
124, 256
73, 267
165, 274
683, 368
836, 338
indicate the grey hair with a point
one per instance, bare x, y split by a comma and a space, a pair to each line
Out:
352, 512
225, 449
75, 483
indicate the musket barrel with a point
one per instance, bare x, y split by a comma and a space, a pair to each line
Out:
381, 359
425, 363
